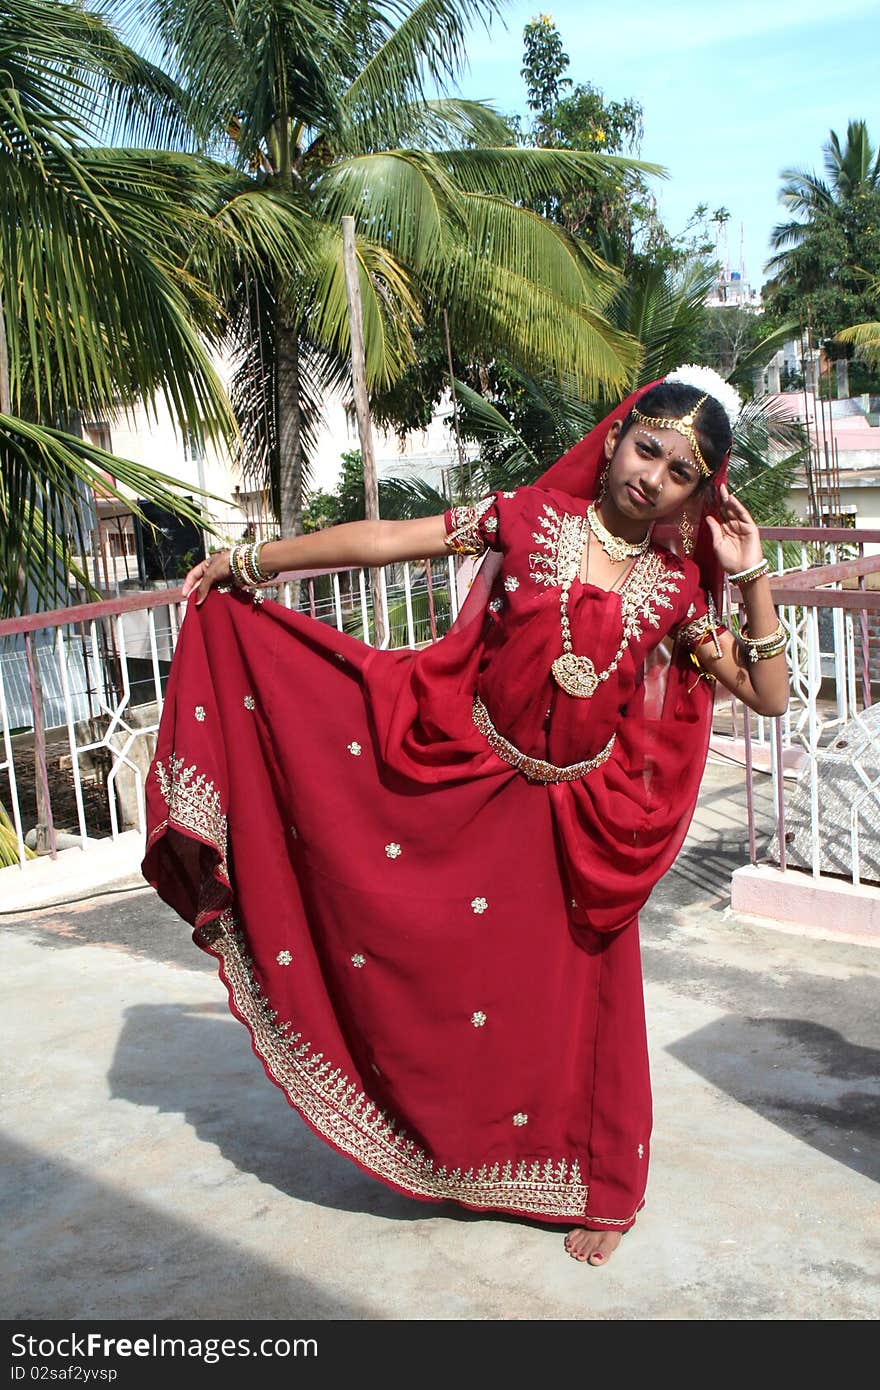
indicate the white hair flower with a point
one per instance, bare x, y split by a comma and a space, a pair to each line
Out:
711, 384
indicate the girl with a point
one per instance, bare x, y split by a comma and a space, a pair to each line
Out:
421, 872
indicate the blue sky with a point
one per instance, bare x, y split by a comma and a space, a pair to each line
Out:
732, 94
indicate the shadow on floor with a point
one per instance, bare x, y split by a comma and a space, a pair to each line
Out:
84, 1248
197, 1062
805, 1077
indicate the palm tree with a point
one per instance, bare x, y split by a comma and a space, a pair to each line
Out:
865, 337
324, 107
850, 168
93, 313
522, 422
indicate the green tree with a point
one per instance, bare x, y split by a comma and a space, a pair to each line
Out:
829, 252
325, 107
94, 312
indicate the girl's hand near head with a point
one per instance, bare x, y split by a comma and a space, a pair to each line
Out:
735, 535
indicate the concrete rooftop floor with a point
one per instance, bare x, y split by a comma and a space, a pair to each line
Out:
152, 1172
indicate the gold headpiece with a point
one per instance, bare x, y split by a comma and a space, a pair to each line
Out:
684, 427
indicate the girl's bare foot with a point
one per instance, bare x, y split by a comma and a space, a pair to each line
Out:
592, 1247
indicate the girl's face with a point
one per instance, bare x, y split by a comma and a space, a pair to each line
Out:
652, 474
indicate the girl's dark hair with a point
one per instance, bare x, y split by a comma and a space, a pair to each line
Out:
672, 400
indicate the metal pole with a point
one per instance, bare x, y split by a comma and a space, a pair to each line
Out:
362, 410
45, 823
458, 446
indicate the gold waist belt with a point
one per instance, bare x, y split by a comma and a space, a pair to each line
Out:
535, 769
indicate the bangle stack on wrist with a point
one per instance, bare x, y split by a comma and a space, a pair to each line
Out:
762, 648
748, 576
244, 566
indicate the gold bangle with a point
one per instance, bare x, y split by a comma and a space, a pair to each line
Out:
265, 575
762, 648
747, 576
766, 652
236, 566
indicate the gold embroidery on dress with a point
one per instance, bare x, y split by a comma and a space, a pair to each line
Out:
649, 588
193, 804
344, 1114
692, 633
562, 538
464, 536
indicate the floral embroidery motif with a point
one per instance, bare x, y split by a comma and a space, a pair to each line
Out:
650, 586
520, 1118
641, 1151
200, 713
562, 540
193, 804
478, 1018
496, 605
511, 583
508, 494
479, 905
250, 702
490, 524
464, 534
342, 1112
284, 957
355, 749
224, 588
294, 834
358, 961
393, 850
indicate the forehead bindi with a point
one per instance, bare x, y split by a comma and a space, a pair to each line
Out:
670, 443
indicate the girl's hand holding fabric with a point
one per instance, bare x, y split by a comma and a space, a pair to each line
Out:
735, 535
206, 574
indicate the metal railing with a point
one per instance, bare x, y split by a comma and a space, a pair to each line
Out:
823, 755
81, 693
81, 689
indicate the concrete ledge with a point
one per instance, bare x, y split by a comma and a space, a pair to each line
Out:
790, 900
76, 873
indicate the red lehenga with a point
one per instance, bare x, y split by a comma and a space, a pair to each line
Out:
436, 952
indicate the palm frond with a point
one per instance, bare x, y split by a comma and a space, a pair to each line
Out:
762, 352
663, 311
389, 307
537, 174
866, 338
399, 198
425, 49
531, 324
45, 475
768, 449
86, 298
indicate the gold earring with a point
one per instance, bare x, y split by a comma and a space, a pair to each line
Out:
686, 532
603, 481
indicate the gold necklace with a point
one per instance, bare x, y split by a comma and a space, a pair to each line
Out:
615, 547
574, 674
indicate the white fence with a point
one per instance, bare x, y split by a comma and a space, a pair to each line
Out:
103, 667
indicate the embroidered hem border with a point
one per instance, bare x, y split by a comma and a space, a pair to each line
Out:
344, 1115
193, 805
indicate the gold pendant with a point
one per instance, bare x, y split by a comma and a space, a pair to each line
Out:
576, 675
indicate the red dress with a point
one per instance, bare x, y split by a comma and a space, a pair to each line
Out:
437, 954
